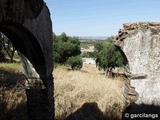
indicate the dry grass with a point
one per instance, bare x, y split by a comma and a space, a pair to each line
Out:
79, 95
77, 91
8, 66
12, 93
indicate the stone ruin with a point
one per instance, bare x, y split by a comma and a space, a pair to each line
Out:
28, 25
139, 44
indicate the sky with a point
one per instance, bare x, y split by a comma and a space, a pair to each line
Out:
99, 17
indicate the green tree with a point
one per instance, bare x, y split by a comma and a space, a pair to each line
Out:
6, 47
99, 46
89, 54
65, 47
110, 39
63, 37
54, 37
74, 40
108, 57
75, 62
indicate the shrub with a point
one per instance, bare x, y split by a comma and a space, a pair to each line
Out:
75, 62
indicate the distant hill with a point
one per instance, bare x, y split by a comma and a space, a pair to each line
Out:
92, 39
93, 36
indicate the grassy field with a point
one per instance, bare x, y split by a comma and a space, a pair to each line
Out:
87, 95
79, 95
12, 92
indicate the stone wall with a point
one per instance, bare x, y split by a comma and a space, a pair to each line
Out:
140, 42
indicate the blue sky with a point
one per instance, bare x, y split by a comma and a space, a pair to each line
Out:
99, 17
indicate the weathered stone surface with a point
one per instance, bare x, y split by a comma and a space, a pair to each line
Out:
140, 43
19, 10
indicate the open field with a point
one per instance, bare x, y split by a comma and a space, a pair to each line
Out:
79, 95
12, 92
87, 95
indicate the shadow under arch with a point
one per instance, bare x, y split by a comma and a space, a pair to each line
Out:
26, 43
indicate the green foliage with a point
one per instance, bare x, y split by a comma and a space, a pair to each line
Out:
56, 65
75, 62
108, 56
88, 43
99, 46
84, 45
89, 55
65, 47
7, 47
16, 56
74, 40
110, 39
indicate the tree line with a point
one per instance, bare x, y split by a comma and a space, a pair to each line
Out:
67, 51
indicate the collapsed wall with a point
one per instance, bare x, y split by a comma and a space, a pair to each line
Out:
140, 43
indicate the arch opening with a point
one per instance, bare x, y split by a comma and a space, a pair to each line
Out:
39, 86
125, 60
26, 44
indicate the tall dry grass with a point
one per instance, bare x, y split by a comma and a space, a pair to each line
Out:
87, 95
79, 95
12, 92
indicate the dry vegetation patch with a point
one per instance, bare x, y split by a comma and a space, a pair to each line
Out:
87, 94
79, 95
12, 93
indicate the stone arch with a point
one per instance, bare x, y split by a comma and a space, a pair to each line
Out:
28, 25
27, 44
130, 95
125, 59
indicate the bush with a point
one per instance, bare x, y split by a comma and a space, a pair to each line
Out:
75, 62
